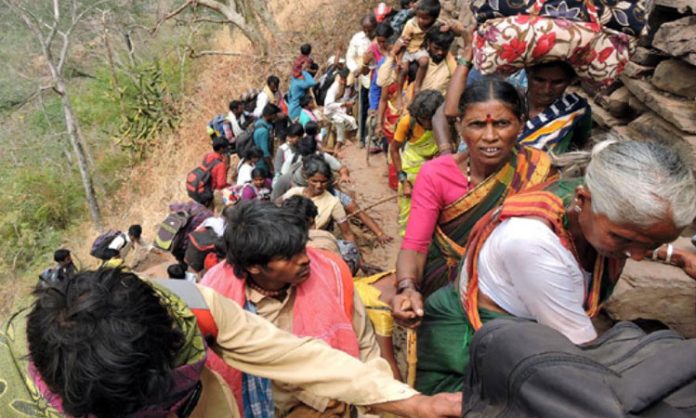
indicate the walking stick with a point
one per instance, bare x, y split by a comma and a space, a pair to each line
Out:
411, 351
411, 357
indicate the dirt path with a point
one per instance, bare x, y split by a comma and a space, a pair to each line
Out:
370, 184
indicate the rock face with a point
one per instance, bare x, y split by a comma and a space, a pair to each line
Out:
651, 127
650, 290
681, 113
683, 6
677, 77
678, 39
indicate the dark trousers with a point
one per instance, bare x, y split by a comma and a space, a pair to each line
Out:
364, 108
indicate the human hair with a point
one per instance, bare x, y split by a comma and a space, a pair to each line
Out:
302, 206
234, 104
307, 146
176, 271
431, 7
314, 66
258, 172
295, 130
425, 104
406, 4
315, 164
306, 49
344, 72
563, 65
369, 19
305, 101
384, 30
135, 231
637, 182
253, 152
436, 36
492, 88
270, 110
61, 255
311, 128
103, 342
259, 232
272, 79
219, 144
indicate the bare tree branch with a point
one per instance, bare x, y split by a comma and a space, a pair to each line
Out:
170, 15
194, 54
208, 20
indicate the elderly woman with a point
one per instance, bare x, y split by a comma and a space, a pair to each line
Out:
413, 145
554, 253
453, 191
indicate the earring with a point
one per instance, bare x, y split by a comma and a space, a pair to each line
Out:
577, 208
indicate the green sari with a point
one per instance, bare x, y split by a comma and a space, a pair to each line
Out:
527, 167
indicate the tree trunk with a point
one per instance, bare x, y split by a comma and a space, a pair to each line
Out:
77, 144
261, 9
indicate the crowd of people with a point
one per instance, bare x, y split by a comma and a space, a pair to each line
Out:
507, 207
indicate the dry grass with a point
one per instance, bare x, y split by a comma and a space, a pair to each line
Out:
160, 179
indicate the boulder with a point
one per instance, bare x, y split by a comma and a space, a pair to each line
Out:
677, 77
647, 56
678, 38
680, 112
651, 290
651, 127
634, 70
682, 6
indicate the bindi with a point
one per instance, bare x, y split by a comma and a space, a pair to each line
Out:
489, 118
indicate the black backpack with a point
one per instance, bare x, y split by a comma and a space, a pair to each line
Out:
202, 242
323, 87
101, 244
522, 369
199, 185
245, 141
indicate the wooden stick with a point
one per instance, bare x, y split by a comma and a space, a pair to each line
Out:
377, 203
411, 356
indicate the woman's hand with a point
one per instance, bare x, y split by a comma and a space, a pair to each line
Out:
407, 308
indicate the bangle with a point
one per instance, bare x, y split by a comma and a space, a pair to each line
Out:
404, 284
670, 251
655, 256
465, 62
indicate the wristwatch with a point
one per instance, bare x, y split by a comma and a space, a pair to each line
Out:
402, 176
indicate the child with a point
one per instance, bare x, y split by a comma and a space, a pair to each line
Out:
247, 165
306, 50
288, 149
259, 188
413, 35
179, 271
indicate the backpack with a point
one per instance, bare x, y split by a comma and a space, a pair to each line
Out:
202, 242
325, 85
199, 185
101, 243
220, 127
198, 213
523, 369
168, 230
245, 141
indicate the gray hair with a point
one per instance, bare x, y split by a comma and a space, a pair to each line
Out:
637, 182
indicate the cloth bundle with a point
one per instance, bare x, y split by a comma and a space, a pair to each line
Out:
627, 16
506, 44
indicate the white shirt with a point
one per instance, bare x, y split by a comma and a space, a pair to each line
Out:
244, 173
261, 102
216, 223
354, 56
524, 269
122, 244
236, 128
331, 102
